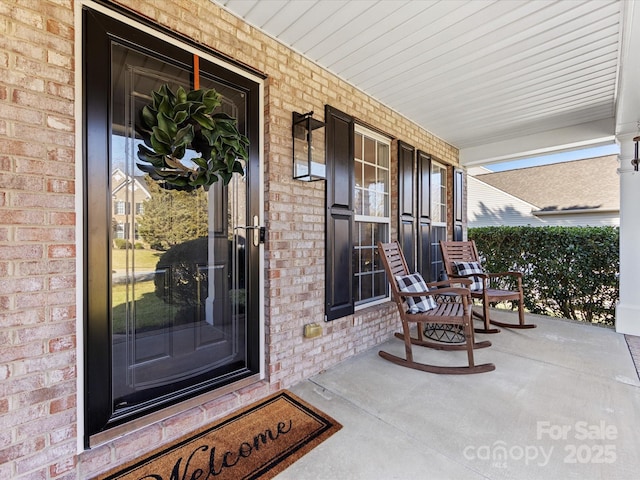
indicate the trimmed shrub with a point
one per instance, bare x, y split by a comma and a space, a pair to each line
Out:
181, 273
121, 243
569, 272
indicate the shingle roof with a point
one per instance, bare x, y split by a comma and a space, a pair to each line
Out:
592, 183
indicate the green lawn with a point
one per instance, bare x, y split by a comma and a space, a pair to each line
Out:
150, 309
144, 259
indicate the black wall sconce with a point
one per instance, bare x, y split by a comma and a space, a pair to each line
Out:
636, 159
308, 148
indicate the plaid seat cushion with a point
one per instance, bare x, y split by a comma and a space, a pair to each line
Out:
415, 283
469, 268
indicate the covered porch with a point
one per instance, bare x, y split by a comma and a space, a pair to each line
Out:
460, 83
501, 81
563, 402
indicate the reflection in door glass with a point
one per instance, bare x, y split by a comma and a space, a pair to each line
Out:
177, 259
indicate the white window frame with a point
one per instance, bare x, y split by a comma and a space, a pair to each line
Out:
120, 207
438, 204
359, 218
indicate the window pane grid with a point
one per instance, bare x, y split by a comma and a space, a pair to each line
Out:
370, 280
438, 193
372, 209
371, 169
437, 266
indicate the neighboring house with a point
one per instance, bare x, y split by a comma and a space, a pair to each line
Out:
127, 192
541, 195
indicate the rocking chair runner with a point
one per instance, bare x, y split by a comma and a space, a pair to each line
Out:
461, 260
456, 313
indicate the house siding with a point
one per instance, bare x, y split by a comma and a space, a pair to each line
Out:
491, 207
39, 399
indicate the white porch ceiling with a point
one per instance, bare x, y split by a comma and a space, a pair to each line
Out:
498, 79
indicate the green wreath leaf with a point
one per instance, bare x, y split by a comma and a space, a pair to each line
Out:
159, 146
184, 136
167, 125
181, 95
180, 116
205, 121
148, 116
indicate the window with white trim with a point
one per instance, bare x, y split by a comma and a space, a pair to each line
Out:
372, 214
120, 207
438, 216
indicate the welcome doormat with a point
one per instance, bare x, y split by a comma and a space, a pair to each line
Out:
257, 442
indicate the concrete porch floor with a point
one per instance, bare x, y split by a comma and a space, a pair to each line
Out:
563, 402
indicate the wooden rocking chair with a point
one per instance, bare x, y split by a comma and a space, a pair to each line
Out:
461, 260
457, 312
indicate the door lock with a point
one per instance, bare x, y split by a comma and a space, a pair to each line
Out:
259, 232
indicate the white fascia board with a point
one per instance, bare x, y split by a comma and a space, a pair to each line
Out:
586, 135
575, 211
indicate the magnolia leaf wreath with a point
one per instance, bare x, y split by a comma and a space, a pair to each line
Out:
174, 123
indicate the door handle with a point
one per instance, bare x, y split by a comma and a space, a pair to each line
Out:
259, 232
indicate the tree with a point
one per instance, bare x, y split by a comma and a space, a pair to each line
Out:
172, 216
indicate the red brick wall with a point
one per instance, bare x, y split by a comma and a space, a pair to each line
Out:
38, 412
37, 241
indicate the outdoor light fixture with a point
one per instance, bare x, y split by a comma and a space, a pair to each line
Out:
308, 148
636, 159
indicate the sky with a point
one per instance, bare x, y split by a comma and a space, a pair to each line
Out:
555, 158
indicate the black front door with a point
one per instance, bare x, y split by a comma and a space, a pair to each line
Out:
172, 275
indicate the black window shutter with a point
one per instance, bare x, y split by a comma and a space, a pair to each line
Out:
458, 190
406, 203
339, 134
424, 215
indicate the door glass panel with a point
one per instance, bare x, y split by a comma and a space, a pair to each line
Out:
178, 265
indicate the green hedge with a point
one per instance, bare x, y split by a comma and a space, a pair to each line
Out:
569, 272
121, 243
